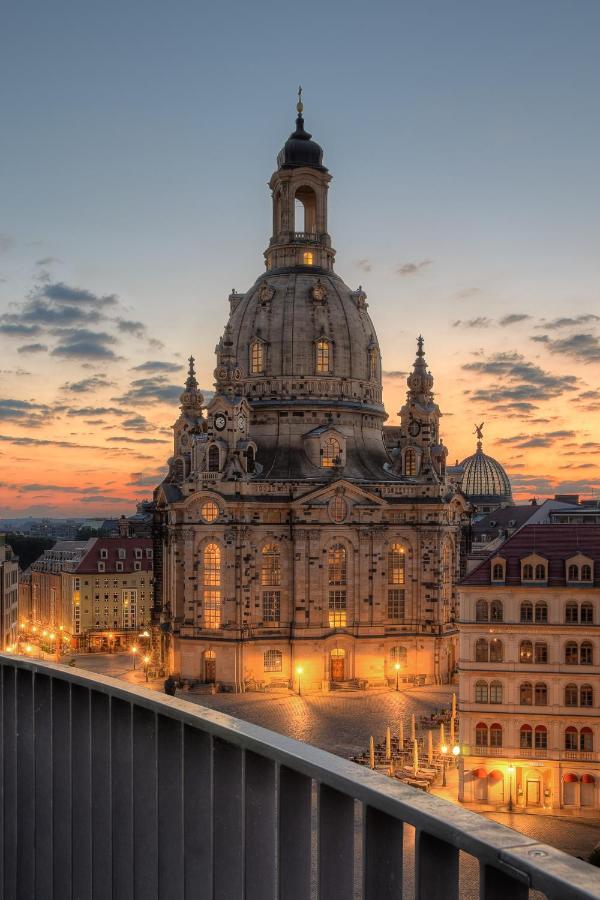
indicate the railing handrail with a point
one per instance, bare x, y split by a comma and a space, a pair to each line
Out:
525, 860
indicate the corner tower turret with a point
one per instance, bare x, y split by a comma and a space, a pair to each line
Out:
299, 190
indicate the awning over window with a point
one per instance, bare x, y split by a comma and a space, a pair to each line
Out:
588, 779
496, 775
570, 776
480, 772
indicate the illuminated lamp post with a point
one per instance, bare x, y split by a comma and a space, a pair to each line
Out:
397, 668
511, 771
299, 671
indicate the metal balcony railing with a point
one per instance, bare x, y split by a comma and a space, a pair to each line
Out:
109, 790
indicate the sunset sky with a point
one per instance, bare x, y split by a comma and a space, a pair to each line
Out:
137, 142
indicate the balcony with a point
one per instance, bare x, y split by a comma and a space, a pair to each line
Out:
113, 791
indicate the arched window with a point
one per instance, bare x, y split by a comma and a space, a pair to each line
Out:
586, 695
541, 694
270, 569
541, 653
573, 573
587, 614
481, 611
541, 737
571, 613
396, 579
447, 575
540, 572
398, 655
257, 358
571, 695
305, 210
337, 579
250, 460
410, 462
527, 572
213, 458
526, 737
323, 360
526, 694
481, 735
372, 364
332, 453
571, 653
541, 612
396, 564
496, 692
570, 738
495, 735
496, 650
481, 650
586, 572
211, 580
496, 611
586, 654
586, 740
526, 652
527, 611
481, 692
498, 572
307, 258
273, 661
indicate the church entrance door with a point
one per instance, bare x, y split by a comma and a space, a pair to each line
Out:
338, 667
210, 667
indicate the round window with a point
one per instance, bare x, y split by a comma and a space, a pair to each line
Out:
338, 509
209, 511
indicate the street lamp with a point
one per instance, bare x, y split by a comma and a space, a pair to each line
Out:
444, 750
511, 771
397, 668
134, 651
299, 671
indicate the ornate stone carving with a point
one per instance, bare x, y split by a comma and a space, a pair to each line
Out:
319, 292
265, 293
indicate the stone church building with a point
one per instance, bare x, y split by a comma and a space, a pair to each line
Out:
297, 539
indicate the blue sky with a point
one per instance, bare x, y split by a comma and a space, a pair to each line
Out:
137, 140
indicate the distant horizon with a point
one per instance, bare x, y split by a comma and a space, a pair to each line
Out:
465, 200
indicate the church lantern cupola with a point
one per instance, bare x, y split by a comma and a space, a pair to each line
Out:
299, 189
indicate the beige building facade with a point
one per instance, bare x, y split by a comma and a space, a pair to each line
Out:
297, 540
9, 594
530, 672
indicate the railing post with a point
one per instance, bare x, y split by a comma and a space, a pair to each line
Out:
228, 821
294, 829
81, 792
121, 769
9, 782
336, 843
497, 885
436, 868
170, 808
101, 797
382, 853
62, 805
197, 811
42, 726
260, 851
25, 786
145, 805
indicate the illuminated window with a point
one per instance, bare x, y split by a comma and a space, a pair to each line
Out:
337, 579
270, 570
410, 462
308, 259
211, 563
209, 510
332, 453
396, 565
372, 359
257, 358
526, 652
273, 661
323, 356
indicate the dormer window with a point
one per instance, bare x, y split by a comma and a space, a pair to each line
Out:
498, 570
101, 567
332, 453
122, 553
257, 357
138, 552
323, 356
103, 554
119, 567
534, 569
579, 569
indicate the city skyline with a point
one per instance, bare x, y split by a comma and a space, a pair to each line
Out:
467, 209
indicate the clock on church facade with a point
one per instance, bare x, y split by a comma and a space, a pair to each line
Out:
294, 530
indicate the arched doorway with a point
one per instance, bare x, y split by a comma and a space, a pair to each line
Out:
210, 666
338, 665
587, 790
496, 787
570, 789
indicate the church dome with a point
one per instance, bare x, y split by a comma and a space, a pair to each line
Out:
484, 480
